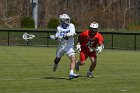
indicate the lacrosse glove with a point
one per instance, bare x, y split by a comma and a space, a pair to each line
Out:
99, 49
52, 37
78, 48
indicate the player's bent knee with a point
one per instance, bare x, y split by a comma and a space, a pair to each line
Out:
73, 59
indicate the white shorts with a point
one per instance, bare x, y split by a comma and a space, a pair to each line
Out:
69, 50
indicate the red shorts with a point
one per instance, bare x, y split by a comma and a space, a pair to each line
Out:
85, 53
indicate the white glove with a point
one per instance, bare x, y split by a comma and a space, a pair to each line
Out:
99, 49
78, 48
68, 34
52, 37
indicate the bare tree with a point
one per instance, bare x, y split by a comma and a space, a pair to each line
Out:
109, 13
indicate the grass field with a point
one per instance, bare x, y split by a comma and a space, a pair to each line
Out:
29, 70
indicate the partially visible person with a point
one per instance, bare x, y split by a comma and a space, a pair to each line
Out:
90, 42
65, 36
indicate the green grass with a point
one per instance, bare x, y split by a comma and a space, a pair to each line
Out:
29, 70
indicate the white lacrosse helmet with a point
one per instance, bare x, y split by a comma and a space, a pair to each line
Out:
64, 18
93, 25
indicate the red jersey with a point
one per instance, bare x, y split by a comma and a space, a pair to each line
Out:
87, 40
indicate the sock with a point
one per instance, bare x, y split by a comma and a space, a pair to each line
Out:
89, 72
55, 64
71, 72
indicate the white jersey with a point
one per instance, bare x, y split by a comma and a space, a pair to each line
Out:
61, 32
65, 45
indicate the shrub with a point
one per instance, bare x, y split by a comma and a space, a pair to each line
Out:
53, 23
133, 26
27, 22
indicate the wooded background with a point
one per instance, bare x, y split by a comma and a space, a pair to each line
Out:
110, 14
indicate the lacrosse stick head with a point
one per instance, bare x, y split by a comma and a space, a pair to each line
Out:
27, 36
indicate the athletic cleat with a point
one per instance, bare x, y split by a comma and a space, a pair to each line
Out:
73, 76
77, 66
55, 67
89, 74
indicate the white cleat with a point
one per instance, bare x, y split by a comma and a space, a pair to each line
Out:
55, 67
71, 76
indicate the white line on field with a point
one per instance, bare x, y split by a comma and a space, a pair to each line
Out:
118, 75
123, 90
10, 79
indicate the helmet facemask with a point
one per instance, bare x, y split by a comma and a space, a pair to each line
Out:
93, 30
65, 21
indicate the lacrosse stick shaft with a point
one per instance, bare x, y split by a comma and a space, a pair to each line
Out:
46, 37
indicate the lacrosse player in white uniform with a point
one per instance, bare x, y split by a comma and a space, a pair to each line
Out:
65, 36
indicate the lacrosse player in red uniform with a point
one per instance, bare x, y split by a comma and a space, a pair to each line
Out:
90, 42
